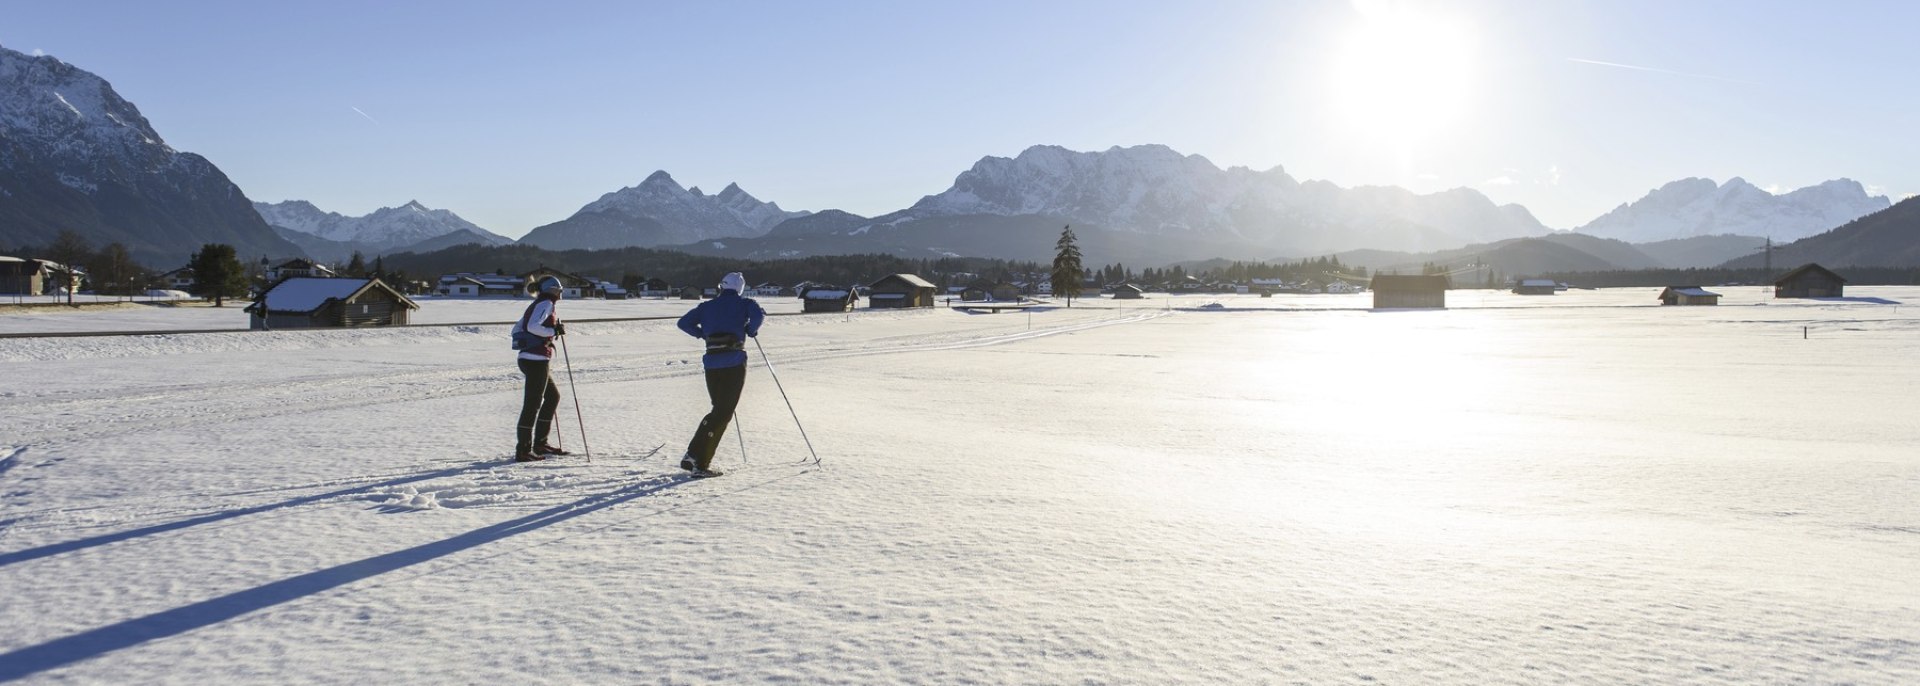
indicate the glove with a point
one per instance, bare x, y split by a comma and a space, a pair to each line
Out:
753, 334
559, 329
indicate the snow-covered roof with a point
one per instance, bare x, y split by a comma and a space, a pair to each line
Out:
306, 294
824, 294
1695, 291
910, 279
1538, 282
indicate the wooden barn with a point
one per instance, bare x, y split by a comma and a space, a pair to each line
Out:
1809, 281
305, 302
1127, 291
901, 290
1535, 287
1688, 295
1005, 291
828, 300
1412, 290
689, 292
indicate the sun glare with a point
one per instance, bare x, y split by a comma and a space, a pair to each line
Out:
1402, 76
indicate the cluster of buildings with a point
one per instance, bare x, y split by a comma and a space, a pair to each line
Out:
33, 276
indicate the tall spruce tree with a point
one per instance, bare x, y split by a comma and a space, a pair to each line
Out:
1066, 265
218, 274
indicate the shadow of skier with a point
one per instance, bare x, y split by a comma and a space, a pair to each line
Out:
52, 549
94, 643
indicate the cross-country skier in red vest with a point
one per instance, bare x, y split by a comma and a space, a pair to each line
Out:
533, 336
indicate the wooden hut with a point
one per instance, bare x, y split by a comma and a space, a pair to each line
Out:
1809, 281
690, 292
1005, 291
1411, 290
828, 299
305, 302
1688, 295
1535, 287
1127, 291
901, 290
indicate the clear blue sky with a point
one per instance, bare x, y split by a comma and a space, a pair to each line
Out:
514, 114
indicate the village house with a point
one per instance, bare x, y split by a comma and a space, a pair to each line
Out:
472, 285
308, 302
571, 285
1127, 291
179, 279
1809, 281
296, 268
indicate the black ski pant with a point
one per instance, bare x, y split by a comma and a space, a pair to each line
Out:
723, 386
536, 406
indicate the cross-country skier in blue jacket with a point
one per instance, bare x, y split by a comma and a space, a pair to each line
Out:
725, 322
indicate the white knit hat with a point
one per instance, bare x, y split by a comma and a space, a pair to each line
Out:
734, 281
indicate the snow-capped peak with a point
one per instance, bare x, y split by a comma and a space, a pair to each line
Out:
383, 229
1699, 207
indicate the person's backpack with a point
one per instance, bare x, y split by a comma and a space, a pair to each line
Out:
524, 340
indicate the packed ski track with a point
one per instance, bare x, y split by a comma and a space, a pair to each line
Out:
1090, 495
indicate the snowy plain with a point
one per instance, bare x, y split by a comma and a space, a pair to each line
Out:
1580, 488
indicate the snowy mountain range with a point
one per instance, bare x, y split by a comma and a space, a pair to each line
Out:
1151, 189
75, 155
660, 211
408, 227
1700, 207
1145, 202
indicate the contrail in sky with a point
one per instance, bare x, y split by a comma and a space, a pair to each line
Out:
363, 114
1657, 70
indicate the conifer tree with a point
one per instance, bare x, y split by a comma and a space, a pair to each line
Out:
218, 274
1066, 266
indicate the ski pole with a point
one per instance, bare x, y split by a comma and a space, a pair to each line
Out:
575, 389
740, 432
789, 402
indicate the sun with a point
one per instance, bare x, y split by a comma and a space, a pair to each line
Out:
1402, 76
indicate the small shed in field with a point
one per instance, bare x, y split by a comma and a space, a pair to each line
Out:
1810, 280
305, 302
828, 300
901, 290
1688, 295
1535, 287
1411, 290
689, 292
1127, 291
1005, 291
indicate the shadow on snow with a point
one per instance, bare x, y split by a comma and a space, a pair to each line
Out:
103, 539
89, 644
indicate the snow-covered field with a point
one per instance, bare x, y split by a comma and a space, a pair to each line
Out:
1581, 488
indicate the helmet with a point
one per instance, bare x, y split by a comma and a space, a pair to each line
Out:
734, 281
549, 284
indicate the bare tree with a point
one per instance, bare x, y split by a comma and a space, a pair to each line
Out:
70, 250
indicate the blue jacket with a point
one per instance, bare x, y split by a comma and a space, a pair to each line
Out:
728, 313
